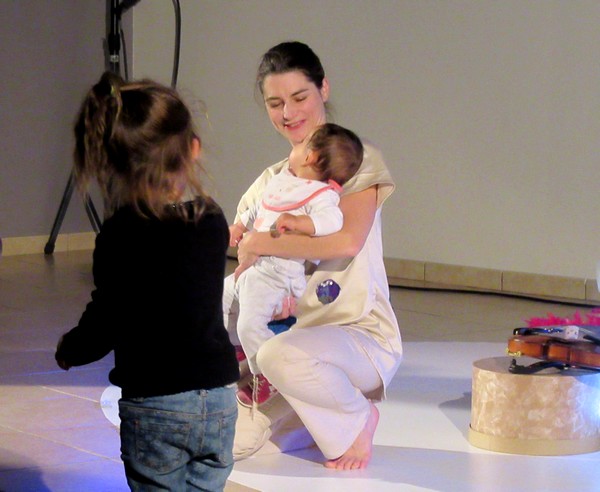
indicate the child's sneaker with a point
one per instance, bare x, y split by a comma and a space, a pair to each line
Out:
257, 392
239, 353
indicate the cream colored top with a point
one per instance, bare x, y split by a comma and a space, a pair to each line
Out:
363, 303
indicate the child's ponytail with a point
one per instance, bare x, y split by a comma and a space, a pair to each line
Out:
94, 128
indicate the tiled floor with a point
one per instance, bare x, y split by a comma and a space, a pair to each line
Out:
54, 435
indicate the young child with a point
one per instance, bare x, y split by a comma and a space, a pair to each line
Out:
303, 199
158, 267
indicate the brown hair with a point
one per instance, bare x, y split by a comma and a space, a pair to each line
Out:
289, 57
339, 151
135, 139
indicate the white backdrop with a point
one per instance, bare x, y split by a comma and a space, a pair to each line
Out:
488, 113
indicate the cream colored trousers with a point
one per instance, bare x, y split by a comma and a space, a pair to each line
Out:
324, 373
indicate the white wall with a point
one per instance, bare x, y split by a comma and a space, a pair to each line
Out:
488, 113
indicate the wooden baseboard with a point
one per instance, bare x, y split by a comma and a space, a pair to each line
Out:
551, 287
409, 273
12, 246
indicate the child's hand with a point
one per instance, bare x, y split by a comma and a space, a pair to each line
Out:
300, 224
285, 223
59, 360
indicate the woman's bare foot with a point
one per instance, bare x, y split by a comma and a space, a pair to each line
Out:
359, 454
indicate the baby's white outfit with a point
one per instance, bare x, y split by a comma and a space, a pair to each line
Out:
250, 302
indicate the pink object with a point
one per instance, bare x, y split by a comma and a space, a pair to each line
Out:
592, 318
257, 392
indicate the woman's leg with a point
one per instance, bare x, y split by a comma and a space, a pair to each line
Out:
324, 372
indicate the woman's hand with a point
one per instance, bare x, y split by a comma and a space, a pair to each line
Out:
236, 232
246, 258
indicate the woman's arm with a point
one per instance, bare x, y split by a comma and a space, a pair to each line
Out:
359, 213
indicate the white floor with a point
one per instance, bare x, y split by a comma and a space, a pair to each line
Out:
54, 435
421, 442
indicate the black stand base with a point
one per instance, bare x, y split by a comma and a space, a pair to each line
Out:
62, 210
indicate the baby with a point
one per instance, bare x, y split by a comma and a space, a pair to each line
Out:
303, 198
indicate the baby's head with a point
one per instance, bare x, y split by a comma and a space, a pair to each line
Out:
338, 153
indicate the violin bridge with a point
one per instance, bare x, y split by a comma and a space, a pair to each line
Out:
571, 332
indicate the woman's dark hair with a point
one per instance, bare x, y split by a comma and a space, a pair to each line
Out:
339, 152
135, 139
288, 57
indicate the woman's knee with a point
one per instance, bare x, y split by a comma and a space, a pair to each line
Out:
269, 356
281, 360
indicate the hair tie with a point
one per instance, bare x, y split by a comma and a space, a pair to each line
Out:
114, 89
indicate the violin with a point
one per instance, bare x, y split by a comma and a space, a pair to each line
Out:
569, 352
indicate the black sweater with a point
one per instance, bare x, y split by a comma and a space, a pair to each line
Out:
157, 303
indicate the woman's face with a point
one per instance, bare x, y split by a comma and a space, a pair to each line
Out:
296, 106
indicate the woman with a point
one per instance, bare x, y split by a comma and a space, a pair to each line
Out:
346, 346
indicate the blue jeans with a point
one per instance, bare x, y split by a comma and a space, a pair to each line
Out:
179, 442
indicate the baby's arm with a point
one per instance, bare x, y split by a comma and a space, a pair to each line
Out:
323, 217
302, 224
325, 213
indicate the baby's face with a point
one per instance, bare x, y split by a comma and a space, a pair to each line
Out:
310, 156
307, 169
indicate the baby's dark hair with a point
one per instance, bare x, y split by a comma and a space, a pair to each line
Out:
135, 139
339, 151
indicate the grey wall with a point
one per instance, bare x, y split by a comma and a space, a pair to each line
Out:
487, 111
51, 51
